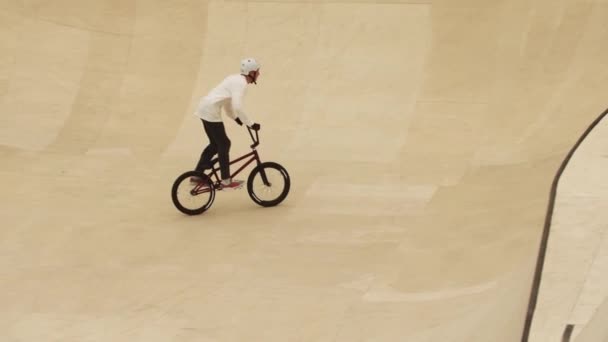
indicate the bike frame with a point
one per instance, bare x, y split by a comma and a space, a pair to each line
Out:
253, 156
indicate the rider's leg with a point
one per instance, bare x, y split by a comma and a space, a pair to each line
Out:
205, 160
209, 151
217, 132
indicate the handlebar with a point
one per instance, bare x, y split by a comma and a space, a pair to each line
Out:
256, 139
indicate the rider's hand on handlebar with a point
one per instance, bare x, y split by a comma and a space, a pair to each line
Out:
255, 126
238, 121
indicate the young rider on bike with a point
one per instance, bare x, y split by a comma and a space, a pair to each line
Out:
228, 95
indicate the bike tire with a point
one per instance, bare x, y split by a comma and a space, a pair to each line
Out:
258, 171
210, 190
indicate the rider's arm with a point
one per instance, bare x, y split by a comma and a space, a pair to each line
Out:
230, 111
237, 106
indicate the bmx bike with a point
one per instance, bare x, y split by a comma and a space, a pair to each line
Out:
268, 183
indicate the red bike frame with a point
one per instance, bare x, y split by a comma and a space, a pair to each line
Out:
253, 155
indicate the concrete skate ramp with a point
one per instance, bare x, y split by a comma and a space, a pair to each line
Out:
422, 139
596, 329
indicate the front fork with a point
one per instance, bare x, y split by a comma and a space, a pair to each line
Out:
262, 172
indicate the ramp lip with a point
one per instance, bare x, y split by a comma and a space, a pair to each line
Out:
547, 229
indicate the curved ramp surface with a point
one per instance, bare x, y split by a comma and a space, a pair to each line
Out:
574, 282
422, 139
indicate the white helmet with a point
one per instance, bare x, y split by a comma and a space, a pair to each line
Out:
248, 65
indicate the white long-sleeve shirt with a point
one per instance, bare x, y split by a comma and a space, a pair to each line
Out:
228, 95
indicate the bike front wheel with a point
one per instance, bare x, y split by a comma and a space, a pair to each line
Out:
268, 184
193, 193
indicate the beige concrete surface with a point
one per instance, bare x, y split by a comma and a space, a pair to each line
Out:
574, 280
595, 329
421, 138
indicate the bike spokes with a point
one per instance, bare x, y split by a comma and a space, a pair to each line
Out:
192, 193
268, 184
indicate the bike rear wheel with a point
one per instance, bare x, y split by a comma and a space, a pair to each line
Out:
192, 198
268, 184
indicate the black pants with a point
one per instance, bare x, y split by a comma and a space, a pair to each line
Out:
218, 143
